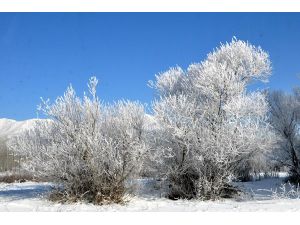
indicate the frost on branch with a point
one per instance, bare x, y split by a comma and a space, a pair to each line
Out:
169, 82
210, 126
92, 150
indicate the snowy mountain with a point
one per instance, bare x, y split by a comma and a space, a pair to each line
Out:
9, 127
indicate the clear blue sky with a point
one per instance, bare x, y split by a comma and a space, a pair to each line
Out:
42, 53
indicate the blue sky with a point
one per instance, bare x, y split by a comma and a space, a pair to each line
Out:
42, 53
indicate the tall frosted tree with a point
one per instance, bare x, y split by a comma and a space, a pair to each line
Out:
210, 125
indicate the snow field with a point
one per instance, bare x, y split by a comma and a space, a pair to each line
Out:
32, 196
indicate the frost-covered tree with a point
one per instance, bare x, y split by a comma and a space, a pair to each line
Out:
210, 125
90, 149
285, 118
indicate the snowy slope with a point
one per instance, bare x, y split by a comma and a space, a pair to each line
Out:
10, 127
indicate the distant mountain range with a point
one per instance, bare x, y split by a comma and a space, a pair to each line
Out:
9, 127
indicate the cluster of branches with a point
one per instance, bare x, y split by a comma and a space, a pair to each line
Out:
208, 130
285, 118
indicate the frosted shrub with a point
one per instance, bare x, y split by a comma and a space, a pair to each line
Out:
210, 125
90, 149
286, 191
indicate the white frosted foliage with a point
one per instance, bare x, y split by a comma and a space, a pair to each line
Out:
211, 126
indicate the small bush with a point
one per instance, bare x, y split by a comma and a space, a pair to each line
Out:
286, 191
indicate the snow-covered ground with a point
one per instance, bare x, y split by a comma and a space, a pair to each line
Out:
31, 196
